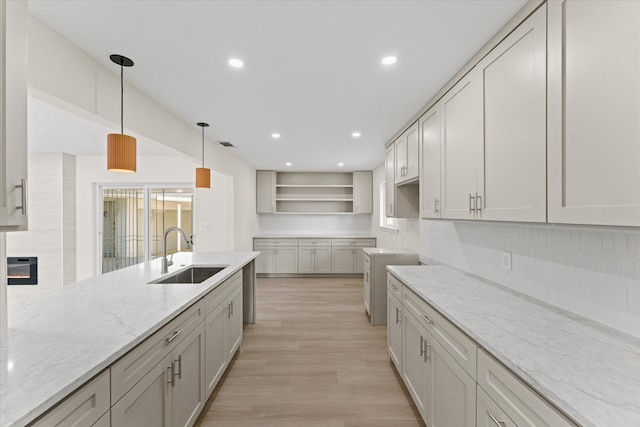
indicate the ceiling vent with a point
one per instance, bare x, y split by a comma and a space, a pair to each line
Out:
226, 144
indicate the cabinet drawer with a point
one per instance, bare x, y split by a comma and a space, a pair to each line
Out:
217, 296
367, 261
394, 286
488, 413
359, 243
127, 371
82, 408
314, 242
455, 342
519, 402
257, 243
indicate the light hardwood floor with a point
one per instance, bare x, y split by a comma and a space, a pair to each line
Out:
312, 359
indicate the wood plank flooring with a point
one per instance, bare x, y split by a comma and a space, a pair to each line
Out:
312, 359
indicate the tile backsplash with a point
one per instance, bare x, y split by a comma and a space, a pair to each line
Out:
590, 271
281, 224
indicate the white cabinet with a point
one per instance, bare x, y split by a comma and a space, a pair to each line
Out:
394, 325
188, 379
13, 116
347, 256
363, 192
265, 191
461, 148
86, 406
517, 402
407, 155
314, 256
414, 361
513, 186
430, 141
277, 256
223, 329
594, 112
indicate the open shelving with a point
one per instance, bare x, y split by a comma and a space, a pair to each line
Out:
314, 192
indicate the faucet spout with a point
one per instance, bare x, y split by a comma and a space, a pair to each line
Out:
165, 263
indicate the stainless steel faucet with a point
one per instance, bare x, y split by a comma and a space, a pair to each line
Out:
165, 263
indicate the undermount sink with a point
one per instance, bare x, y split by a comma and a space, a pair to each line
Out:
191, 275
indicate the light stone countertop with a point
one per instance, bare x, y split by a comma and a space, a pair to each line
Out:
389, 251
60, 339
313, 236
588, 371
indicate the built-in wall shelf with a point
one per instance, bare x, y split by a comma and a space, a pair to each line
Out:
313, 192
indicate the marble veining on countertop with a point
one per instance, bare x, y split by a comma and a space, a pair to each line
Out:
313, 236
60, 339
389, 251
588, 371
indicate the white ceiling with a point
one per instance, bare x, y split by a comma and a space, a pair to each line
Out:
312, 68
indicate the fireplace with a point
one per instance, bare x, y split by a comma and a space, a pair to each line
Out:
22, 270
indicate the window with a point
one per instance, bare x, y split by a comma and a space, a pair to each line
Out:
133, 221
389, 224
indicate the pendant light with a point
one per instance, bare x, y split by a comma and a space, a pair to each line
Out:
203, 175
121, 148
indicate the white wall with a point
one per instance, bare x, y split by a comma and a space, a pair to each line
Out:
408, 234
590, 271
52, 217
91, 171
318, 225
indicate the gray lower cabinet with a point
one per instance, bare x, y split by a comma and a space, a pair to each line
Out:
188, 379
344, 260
104, 421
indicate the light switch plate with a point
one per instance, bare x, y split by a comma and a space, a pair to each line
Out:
506, 261
204, 226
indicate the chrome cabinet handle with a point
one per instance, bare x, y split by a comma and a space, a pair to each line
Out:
472, 203
427, 352
422, 346
179, 362
435, 205
170, 375
173, 337
397, 315
478, 203
429, 321
495, 420
23, 187
231, 304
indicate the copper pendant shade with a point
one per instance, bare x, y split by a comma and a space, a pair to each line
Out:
203, 175
121, 148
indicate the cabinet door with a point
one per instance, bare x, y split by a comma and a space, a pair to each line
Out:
461, 145
394, 330
188, 377
389, 179
235, 323
412, 169
322, 260
305, 260
594, 112
286, 260
148, 403
452, 392
363, 192
367, 290
359, 260
400, 158
514, 83
265, 191
342, 260
414, 366
13, 116
430, 169
215, 353
266, 262
489, 414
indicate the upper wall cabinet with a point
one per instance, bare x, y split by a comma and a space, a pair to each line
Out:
430, 141
406, 156
313, 192
389, 181
594, 112
13, 116
513, 186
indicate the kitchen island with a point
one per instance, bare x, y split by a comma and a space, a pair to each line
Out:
59, 340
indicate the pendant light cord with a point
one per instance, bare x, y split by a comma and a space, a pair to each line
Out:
202, 146
121, 98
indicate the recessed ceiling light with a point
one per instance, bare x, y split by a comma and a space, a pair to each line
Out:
288, 163
340, 164
275, 135
389, 60
236, 63
356, 134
